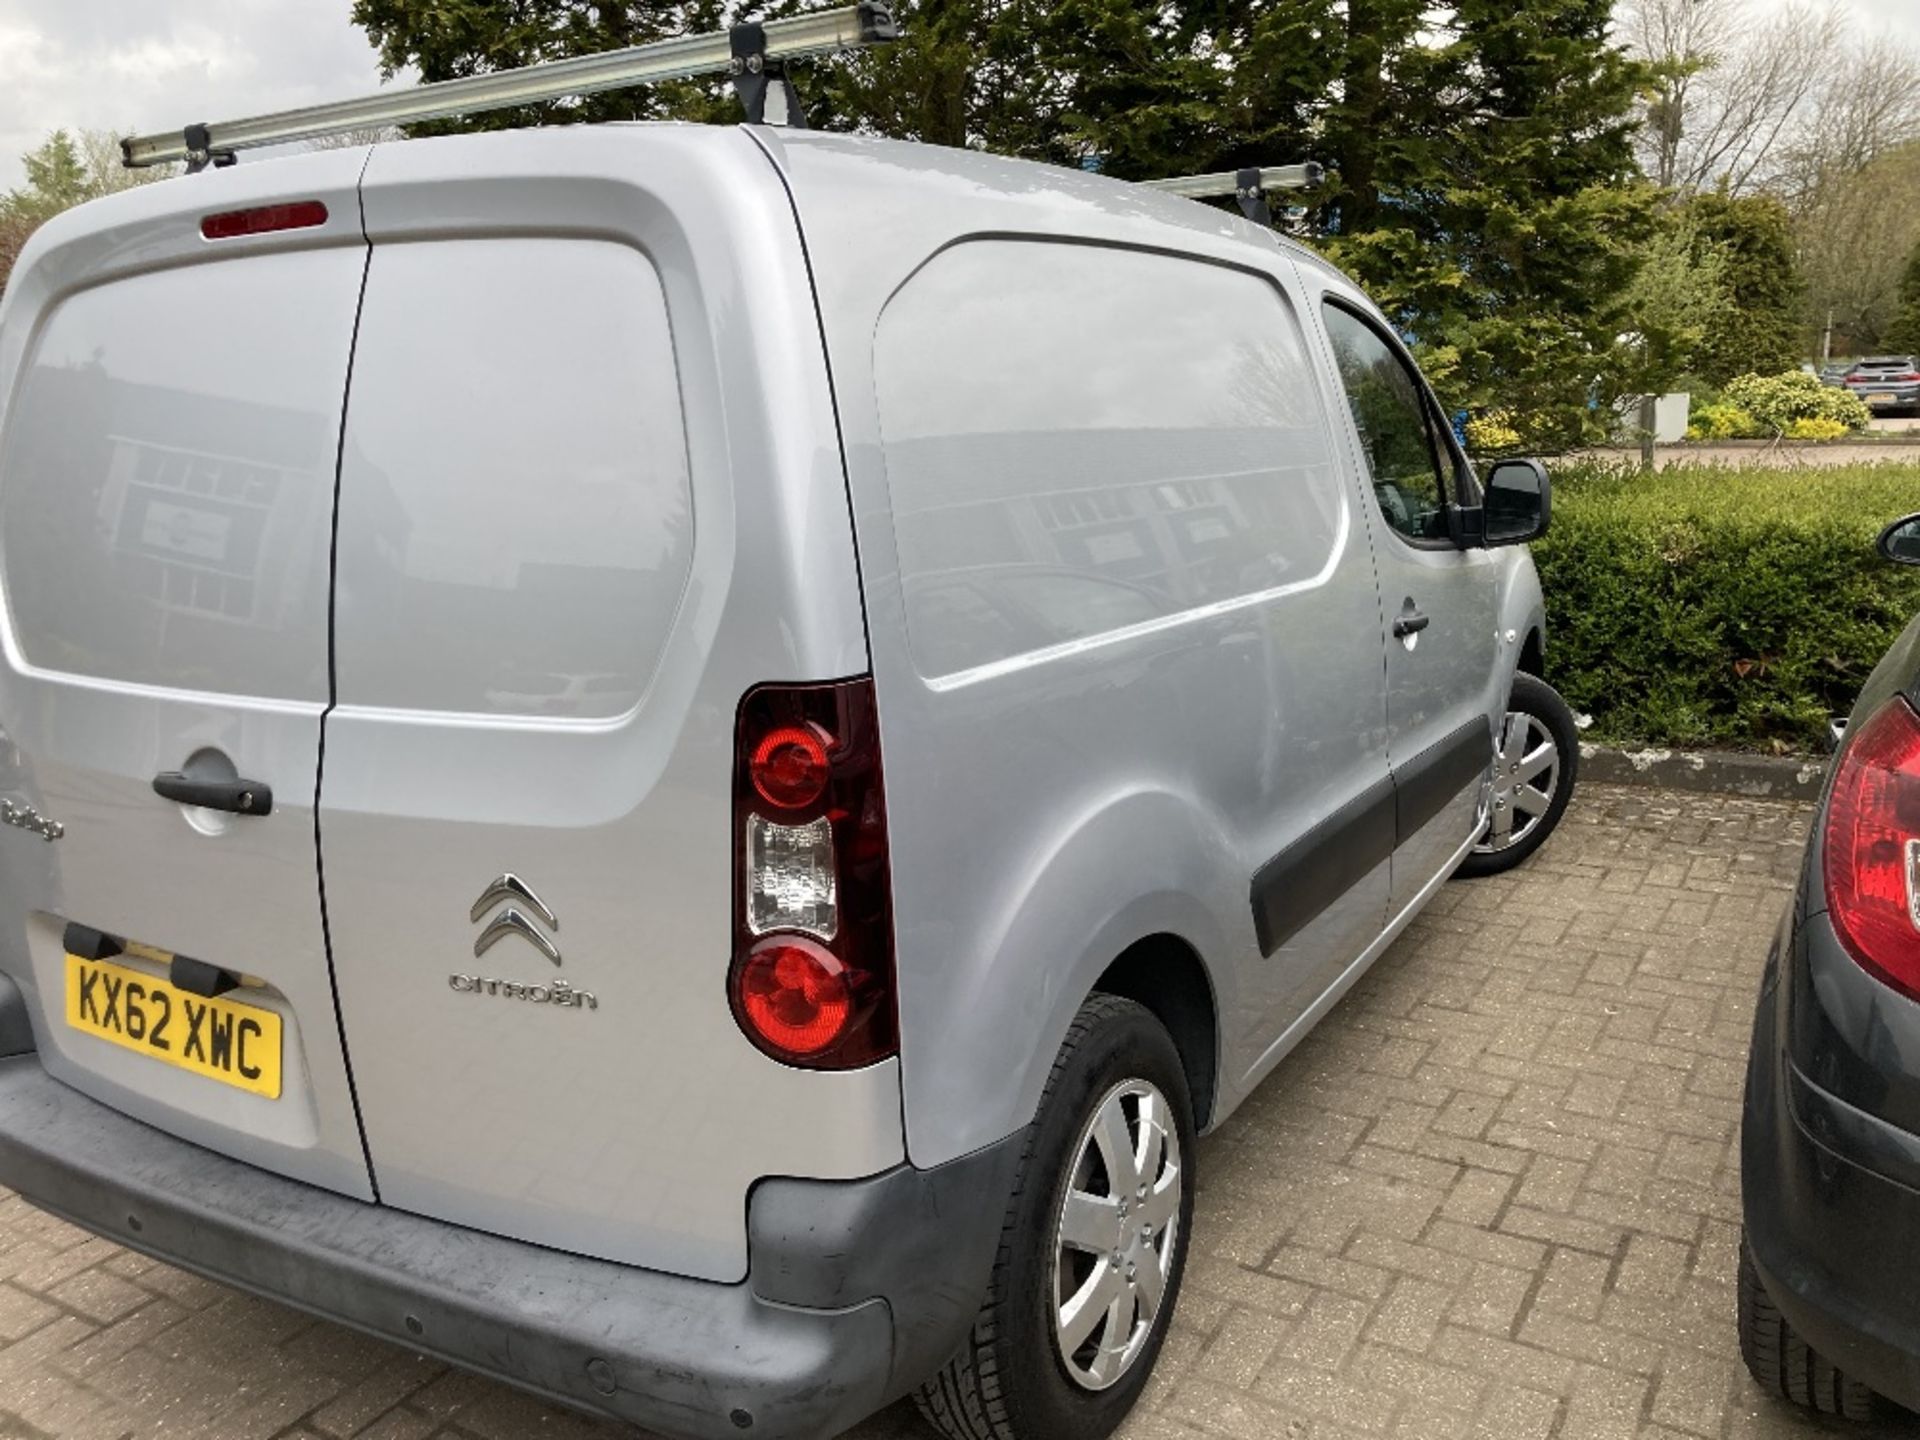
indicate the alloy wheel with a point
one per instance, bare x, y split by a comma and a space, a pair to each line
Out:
1116, 1233
1526, 774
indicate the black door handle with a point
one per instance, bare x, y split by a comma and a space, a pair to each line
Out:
1409, 622
241, 797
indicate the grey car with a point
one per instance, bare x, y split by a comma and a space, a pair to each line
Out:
1887, 383
680, 764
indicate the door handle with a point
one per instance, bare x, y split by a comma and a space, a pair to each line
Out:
1409, 622
239, 797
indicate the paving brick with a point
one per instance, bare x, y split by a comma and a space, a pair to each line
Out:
1493, 1196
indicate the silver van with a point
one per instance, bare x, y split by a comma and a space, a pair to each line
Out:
679, 764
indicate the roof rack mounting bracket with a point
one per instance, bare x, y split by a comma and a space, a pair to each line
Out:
754, 75
1253, 197
200, 151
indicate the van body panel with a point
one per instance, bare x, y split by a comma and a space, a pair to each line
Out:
1176, 733
709, 551
167, 450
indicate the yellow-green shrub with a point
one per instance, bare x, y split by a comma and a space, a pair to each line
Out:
1723, 422
1776, 401
1815, 428
1492, 433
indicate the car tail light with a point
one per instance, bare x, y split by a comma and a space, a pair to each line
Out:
1872, 847
812, 982
263, 219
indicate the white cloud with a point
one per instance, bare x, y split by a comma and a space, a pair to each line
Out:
142, 65
1890, 17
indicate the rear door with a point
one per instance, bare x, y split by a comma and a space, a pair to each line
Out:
167, 465
546, 617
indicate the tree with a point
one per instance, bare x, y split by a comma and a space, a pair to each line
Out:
56, 180
1752, 238
1854, 232
62, 172
1679, 297
1730, 92
1904, 333
1510, 221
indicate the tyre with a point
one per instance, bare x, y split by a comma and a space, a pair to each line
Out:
1783, 1364
1537, 761
1092, 1247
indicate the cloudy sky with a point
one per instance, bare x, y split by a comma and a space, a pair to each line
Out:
130, 65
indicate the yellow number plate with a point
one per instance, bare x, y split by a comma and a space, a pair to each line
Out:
237, 1045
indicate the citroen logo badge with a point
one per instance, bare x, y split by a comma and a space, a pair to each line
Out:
514, 919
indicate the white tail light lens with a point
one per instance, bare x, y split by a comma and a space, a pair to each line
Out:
790, 878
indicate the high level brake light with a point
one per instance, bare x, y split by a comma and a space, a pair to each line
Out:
812, 976
1872, 847
263, 220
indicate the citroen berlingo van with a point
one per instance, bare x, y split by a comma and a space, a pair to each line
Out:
680, 764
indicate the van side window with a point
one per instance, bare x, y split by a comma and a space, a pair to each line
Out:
1083, 441
1396, 435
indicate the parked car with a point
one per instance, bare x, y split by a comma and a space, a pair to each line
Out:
1829, 1282
1834, 375
1037, 641
1887, 383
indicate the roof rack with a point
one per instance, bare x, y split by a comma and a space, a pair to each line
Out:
754, 55
1249, 186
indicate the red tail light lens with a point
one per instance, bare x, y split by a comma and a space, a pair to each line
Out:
790, 766
231, 224
795, 996
812, 981
1872, 847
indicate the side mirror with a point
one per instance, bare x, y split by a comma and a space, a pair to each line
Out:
1518, 503
1900, 541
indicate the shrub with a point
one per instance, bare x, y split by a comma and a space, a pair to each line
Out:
1723, 422
1492, 433
1815, 429
1711, 606
1776, 401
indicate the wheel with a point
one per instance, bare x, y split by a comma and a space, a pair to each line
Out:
1783, 1364
1533, 774
1092, 1247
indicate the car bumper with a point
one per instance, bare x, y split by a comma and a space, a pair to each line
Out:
1903, 399
1830, 1192
891, 1298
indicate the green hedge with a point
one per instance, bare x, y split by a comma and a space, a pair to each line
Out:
1717, 607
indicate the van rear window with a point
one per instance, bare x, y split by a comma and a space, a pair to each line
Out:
1082, 441
516, 518
166, 478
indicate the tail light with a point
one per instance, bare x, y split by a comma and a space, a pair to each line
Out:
1872, 847
812, 982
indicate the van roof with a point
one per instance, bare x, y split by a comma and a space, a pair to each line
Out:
919, 170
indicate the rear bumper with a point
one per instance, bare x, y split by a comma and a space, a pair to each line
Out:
685, 1357
1828, 1190
1905, 397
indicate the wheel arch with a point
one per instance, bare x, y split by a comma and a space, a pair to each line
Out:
1165, 974
1533, 655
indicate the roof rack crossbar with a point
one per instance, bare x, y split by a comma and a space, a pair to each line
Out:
1249, 186
825, 32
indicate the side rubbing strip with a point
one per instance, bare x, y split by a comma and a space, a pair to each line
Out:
1291, 890
1428, 783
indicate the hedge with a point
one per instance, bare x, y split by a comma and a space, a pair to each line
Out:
1707, 606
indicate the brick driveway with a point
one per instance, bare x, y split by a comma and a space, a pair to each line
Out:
1495, 1194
